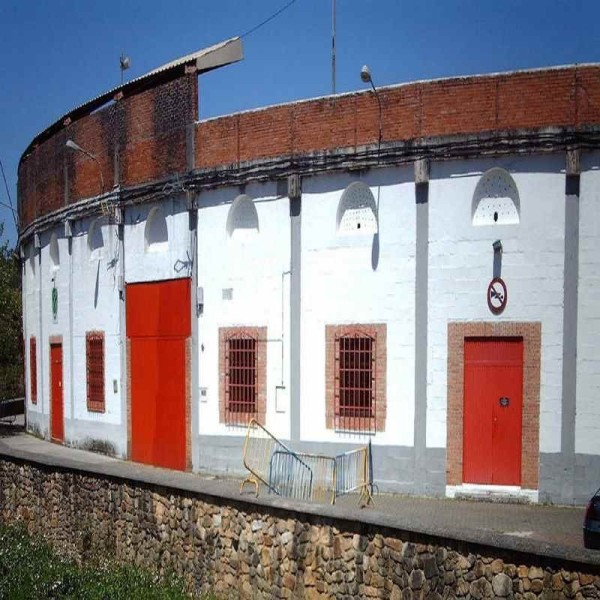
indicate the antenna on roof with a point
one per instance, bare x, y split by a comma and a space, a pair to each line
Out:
124, 63
333, 47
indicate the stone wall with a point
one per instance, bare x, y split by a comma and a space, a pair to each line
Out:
240, 550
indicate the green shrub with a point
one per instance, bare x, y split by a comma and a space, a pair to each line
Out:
30, 569
11, 332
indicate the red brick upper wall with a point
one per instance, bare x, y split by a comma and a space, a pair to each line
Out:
145, 134
567, 96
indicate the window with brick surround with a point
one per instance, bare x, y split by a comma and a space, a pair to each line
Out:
356, 377
94, 350
242, 374
33, 370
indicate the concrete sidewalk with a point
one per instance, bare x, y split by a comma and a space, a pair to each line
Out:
550, 532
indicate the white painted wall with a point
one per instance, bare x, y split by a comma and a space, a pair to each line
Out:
587, 434
167, 262
254, 268
341, 286
31, 325
87, 286
461, 266
90, 281
54, 276
95, 308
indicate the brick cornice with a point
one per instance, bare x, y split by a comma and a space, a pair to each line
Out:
454, 147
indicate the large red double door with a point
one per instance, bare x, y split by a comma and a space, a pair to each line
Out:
158, 326
493, 411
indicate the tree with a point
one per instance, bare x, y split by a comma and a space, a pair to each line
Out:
11, 326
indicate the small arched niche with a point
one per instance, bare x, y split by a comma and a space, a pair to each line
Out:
95, 239
32, 259
496, 199
156, 234
242, 220
357, 211
54, 253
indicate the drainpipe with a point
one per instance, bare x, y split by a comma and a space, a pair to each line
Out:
196, 308
71, 336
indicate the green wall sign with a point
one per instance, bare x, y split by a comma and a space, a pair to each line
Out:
54, 305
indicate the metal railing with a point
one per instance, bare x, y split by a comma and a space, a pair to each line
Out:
304, 476
354, 473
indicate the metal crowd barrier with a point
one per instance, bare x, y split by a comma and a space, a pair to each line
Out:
259, 448
354, 472
303, 476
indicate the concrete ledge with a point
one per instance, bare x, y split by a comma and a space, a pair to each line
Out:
435, 522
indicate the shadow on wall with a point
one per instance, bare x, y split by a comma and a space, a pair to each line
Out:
184, 265
375, 244
375, 252
97, 285
156, 234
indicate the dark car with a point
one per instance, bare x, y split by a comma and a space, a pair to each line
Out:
591, 523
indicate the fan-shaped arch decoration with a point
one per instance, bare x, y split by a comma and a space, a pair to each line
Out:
54, 253
357, 211
242, 220
156, 234
96, 239
496, 199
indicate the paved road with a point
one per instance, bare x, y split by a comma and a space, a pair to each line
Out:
553, 532
547, 524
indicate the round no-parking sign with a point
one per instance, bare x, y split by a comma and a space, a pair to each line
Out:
497, 295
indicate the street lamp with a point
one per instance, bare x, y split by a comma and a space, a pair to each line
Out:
73, 146
365, 75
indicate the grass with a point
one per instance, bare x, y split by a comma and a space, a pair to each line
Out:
30, 569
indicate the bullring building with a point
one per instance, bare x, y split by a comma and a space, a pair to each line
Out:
416, 265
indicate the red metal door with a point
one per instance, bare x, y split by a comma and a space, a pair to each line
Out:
57, 425
158, 325
493, 406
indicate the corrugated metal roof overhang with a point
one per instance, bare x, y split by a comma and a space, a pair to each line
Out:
207, 59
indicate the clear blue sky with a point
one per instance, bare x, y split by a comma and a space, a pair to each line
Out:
56, 54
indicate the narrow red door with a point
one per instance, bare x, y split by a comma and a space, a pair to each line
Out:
158, 325
57, 426
493, 400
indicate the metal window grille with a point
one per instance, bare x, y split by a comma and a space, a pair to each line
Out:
241, 387
33, 369
95, 371
355, 405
